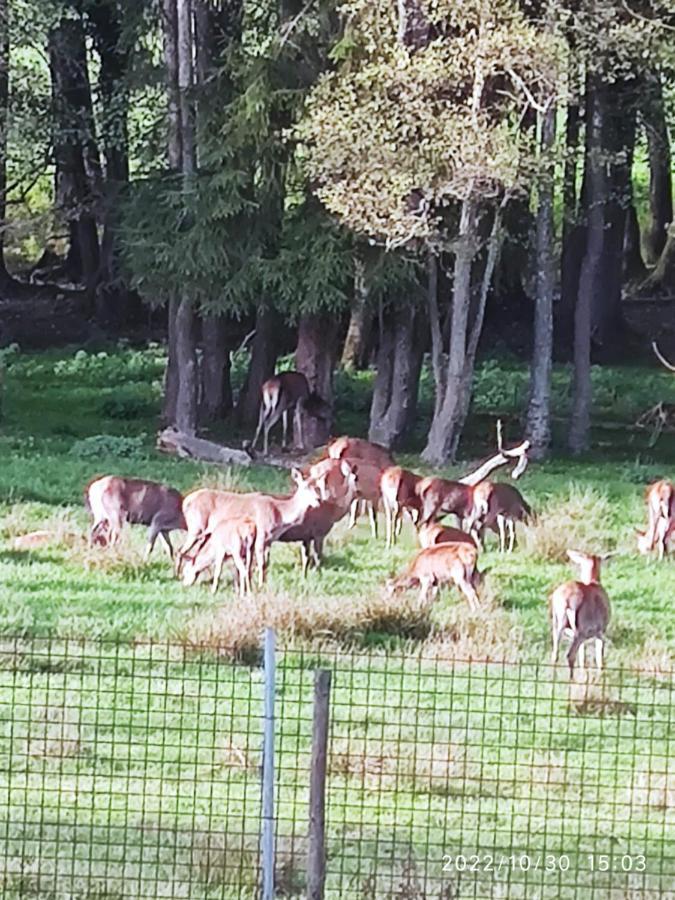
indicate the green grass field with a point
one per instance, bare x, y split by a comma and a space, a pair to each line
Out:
130, 708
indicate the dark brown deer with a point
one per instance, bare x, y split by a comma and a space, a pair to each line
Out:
281, 394
113, 500
580, 610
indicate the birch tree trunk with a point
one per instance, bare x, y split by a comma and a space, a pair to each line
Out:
360, 321
660, 170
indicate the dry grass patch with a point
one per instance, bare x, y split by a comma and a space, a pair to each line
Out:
654, 659
54, 732
459, 635
597, 698
236, 628
578, 519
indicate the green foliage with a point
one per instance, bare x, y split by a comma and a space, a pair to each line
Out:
394, 136
103, 445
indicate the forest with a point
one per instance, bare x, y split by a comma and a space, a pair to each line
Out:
401, 186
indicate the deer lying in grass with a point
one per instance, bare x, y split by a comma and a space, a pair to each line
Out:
113, 500
280, 394
580, 611
439, 565
660, 498
232, 538
498, 506
431, 533
337, 496
204, 509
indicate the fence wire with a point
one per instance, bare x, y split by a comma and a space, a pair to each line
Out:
134, 771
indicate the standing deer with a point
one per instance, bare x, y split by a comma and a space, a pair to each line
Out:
399, 489
272, 515
311, 531
357, 448
234, 538
498, 506
660, 498
580, 610
280, 394
113, 500
439, 565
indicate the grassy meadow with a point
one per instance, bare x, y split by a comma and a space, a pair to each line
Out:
129, 706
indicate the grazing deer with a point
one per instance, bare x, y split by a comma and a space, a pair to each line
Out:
660, 498
311, 531
498, 506
113, 500
357, 448
580, 610
399, 490
431, 533
233, 538
203, 509
439, 565
280, 394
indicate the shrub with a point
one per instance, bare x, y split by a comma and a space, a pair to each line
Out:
101, 445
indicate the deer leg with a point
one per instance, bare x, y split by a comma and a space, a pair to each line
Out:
284, 427
581, 656
261, 422
372, 516
167, 543
512, 534
317, 551
599, 649
217, 571
502, 534
304, 557
297, 418
572, 652
353, 513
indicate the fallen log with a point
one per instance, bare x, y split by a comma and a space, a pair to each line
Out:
171, 440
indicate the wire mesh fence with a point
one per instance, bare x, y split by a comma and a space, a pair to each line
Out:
135, 771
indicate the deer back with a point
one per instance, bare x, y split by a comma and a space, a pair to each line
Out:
357, 448
433, 533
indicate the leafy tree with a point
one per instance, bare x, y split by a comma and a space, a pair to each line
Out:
415, 141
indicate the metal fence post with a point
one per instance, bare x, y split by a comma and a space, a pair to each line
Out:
267, 831
316, 857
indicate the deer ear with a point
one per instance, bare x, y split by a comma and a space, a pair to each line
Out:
347, 469
297, 476
575, 555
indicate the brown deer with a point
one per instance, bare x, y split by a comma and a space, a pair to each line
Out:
357, 448
439, 565
311, 531
431, 533
233, 538
580, 611
660, 498
113, 500
280, 394
203, 509
443, 497
399, 490
498, 506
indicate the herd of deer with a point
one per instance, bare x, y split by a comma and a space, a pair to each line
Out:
355, 477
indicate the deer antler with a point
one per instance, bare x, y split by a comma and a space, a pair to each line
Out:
661, 358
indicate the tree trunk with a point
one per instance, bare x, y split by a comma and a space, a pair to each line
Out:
538, 423
360, 321
662, 279
216, 389
170, 40
5, 280
315, 357
264, 353
633, 264
186, 405
115, 304
394, 400
446, 424
596, 188
660, 177
74, 149
573, 231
